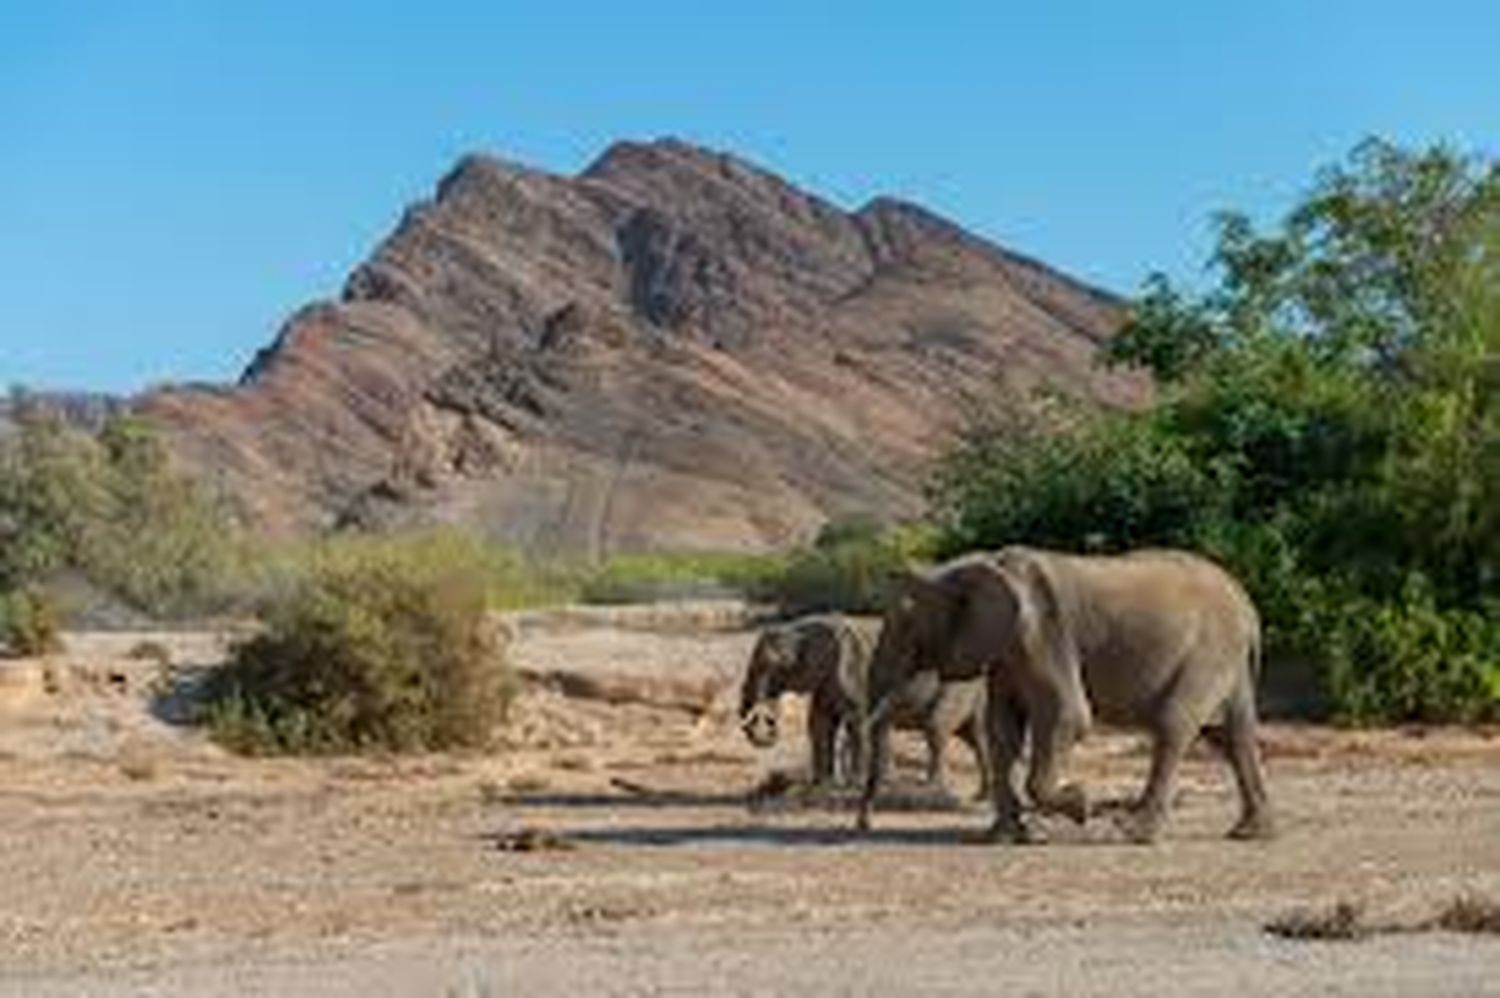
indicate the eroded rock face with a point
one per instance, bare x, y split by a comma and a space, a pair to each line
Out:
673, 348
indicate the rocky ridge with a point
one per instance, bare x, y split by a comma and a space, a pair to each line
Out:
673, 348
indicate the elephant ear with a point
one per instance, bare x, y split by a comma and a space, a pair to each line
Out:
760, 681
817, 654
853, 664
1048, 632
991, 619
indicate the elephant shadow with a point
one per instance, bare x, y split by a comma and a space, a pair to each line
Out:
754, 830
606, 801
750, 834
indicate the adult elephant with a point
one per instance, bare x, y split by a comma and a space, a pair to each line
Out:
1163, 640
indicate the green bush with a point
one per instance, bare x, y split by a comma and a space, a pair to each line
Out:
160, 541
29, 623
1328, 427
1411, 660
511, 580
1109, 485
645, 578
848, 568
110, 507
376, 647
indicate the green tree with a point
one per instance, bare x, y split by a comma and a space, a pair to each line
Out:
1327, 425
110, 506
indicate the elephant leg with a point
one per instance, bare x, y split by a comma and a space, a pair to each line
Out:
937, 763
1055, 733
942, 720
877, 748
850, 768
974, 734
1006, 728
823, 722
1143, 822
1243, 751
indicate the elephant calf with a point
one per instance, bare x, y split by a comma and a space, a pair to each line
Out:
828, 658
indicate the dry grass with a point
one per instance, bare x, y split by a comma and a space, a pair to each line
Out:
491, 792
701, 757
575, 762
140, 768
528, 783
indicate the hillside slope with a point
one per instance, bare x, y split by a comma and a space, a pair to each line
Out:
673, 348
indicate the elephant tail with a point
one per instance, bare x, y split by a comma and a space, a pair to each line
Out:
1256, 649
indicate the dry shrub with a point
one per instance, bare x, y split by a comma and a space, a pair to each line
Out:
528, 783
30, 623
530, 839
1470, 913
140, 768
383, 648
1344, 921
151, 650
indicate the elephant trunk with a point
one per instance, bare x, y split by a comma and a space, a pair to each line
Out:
760, 706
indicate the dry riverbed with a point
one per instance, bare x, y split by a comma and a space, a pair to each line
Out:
609, 849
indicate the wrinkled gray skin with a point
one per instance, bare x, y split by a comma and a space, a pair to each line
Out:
1162, 640
828, 657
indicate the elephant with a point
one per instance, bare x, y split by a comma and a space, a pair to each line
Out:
1164, 640
828, 657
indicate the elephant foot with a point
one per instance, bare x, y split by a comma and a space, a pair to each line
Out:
1073, 802
1014, 832
1140, 825
1254, 827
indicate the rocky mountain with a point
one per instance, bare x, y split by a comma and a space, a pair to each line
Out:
83, 410
672, 348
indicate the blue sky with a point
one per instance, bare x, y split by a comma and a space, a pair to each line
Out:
175, 178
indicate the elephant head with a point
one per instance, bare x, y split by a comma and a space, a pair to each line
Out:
993, 614
957, 619
811, 654
796, 657
774, 657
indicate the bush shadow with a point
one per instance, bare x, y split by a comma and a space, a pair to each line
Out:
180, 694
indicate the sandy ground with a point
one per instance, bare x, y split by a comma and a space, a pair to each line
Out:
135, 858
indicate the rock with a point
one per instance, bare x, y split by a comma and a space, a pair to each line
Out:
674, 348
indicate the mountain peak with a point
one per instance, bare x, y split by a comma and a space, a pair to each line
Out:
675, 348
632, 154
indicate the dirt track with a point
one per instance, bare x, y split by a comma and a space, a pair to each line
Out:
136, 859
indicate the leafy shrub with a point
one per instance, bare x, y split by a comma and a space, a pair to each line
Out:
848, 568
1107, 486
109, 507
1410, 660
644, 578
1328, 427
161, 542
151, 650
29, 623
377, 647
510, 579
